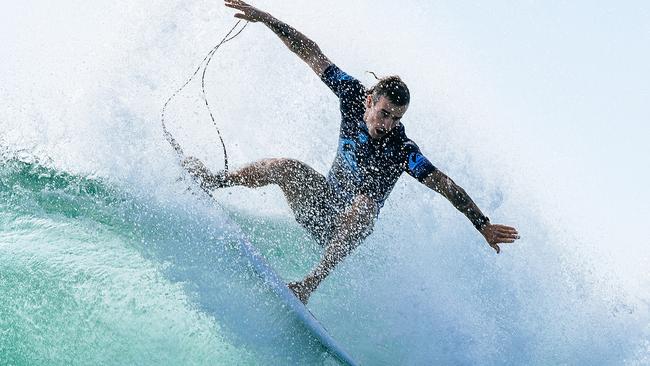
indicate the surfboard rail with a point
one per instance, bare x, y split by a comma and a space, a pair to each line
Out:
280, 288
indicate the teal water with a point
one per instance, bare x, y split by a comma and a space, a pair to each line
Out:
90, 275
106, 258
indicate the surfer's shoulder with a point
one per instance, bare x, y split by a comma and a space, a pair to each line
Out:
342, 83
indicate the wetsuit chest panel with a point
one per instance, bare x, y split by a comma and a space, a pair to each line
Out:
363, 165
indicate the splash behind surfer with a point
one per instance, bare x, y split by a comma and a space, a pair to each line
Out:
340, 210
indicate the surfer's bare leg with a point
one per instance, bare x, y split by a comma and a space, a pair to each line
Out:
300, 183
354, 225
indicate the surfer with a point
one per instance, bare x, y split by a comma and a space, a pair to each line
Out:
340, 210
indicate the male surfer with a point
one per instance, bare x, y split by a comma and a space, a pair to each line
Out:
340, 210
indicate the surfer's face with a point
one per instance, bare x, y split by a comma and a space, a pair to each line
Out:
381, 117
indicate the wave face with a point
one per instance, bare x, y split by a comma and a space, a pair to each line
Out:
92, 275
106, 257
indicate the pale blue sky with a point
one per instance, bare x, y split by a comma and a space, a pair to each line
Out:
579, 70
577, 73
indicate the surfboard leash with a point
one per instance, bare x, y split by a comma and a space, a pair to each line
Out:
203, 65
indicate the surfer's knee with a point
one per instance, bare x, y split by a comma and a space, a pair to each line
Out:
263, 172
281, 170
365, 207
291, 167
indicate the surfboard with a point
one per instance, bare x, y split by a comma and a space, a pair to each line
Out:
257, 260
287, 296
276, 283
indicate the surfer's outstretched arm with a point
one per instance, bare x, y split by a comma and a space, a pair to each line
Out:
297, 42
494, 234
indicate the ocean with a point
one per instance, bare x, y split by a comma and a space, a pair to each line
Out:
108, 256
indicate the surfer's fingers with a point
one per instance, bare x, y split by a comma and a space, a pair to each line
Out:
239, 5
502, 238
509, 233
506, 240
235, 4
512, 237
506, 228
496, 248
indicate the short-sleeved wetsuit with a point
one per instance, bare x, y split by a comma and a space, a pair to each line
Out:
363, 165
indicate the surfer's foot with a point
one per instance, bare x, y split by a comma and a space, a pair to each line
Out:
203, 176
195, 167
214, 181
300, 290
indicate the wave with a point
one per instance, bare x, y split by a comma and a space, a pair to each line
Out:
106, 259
92, 275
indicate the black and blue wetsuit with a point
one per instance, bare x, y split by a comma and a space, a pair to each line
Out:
362, 165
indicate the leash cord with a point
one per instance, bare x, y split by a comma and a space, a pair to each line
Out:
204, 64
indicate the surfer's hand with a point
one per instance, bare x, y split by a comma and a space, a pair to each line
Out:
496, 234
249, 13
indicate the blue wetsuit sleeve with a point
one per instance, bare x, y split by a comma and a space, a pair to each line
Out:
418, 166
342, 84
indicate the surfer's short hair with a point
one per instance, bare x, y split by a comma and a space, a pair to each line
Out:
393, 88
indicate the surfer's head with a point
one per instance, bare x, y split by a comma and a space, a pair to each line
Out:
393, 88
386, 103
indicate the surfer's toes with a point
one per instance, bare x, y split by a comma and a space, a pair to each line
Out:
214, 181
299, 290
203, 176
193, 165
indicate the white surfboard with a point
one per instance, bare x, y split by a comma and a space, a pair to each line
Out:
286, 295
277, 284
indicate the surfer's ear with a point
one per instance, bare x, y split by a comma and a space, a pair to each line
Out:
369, 100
